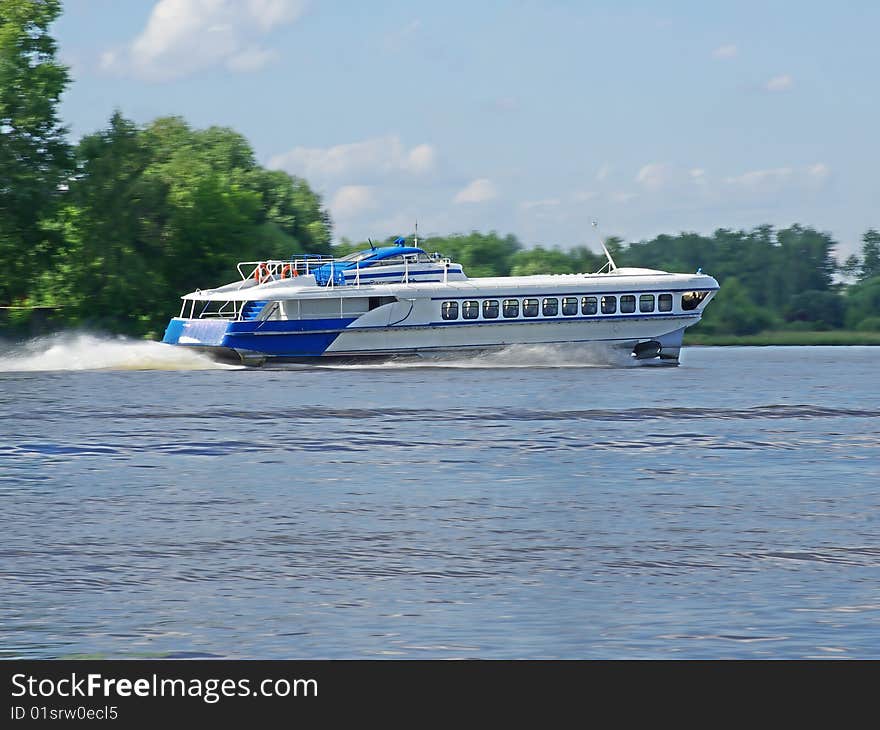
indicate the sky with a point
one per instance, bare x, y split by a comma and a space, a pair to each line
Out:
525, 117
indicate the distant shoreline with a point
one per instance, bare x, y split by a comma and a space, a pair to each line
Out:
786, 337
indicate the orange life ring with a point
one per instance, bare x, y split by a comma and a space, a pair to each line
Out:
261, 273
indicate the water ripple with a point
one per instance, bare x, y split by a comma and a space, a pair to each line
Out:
321, 412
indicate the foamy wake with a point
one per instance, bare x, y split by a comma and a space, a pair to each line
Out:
78, 351
593, 355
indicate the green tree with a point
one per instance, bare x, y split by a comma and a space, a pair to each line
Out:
733, 311
806, 262
821, 309
34, 156
863, 304
870, 255
292, 219
111, 223
852, 267
540, 260
481, 254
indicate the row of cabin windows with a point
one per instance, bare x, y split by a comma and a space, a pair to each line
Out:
550, 306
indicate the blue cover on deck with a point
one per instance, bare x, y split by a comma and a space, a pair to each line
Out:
335, 269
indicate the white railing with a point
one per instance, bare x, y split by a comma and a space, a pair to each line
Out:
281, 268
272, 269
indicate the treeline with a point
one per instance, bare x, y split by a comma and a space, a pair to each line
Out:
109, 232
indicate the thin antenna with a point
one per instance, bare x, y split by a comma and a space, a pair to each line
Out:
416, 238
611, 265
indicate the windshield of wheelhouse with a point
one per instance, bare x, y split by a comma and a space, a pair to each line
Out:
358, 256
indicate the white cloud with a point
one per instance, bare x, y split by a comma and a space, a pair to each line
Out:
654, 176
602, 172
185, 36
477, 191
727, 51
779, 83
622, 198
369, 159
582, 196
698, 176
419, 159
761, 178
546, 203
352, 200
271, 13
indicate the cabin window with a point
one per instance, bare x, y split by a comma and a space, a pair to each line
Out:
646, 303
570, 306
449, 310
627, 304
376, 302
355, 305
691, 300
490, 309
609, 305
530, 307
550, 307
664, 302
510, 308
470, 310
390, 261
320, 308
589, 305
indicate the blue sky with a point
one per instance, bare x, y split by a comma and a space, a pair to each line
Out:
523, 117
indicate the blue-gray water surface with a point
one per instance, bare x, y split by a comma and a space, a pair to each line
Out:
728, 508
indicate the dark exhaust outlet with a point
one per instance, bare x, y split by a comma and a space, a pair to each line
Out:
647, 350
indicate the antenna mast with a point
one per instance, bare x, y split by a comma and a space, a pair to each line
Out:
611, 265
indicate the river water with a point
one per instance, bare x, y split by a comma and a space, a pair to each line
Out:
526, 505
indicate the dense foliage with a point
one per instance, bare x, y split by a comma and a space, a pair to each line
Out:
151, 213
34, 157
108, 233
